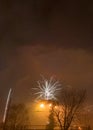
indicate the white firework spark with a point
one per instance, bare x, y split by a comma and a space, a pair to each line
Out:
47, 89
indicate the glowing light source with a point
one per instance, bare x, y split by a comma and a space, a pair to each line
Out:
50, 105
47, 89
42, 105
55, 107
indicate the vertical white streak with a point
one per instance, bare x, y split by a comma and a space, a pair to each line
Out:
7, 104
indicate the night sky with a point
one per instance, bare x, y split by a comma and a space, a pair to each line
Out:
48, 37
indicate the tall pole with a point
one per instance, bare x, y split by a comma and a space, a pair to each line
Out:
7, 106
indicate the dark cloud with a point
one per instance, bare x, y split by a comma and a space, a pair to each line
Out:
63, 23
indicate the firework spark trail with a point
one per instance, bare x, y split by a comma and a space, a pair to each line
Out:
47, 89
7, 105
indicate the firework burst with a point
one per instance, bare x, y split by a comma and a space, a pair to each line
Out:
47, 89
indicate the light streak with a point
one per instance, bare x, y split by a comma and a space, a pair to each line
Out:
47, 89
7, 105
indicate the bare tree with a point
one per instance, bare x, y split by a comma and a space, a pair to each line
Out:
17, 116
71, 102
